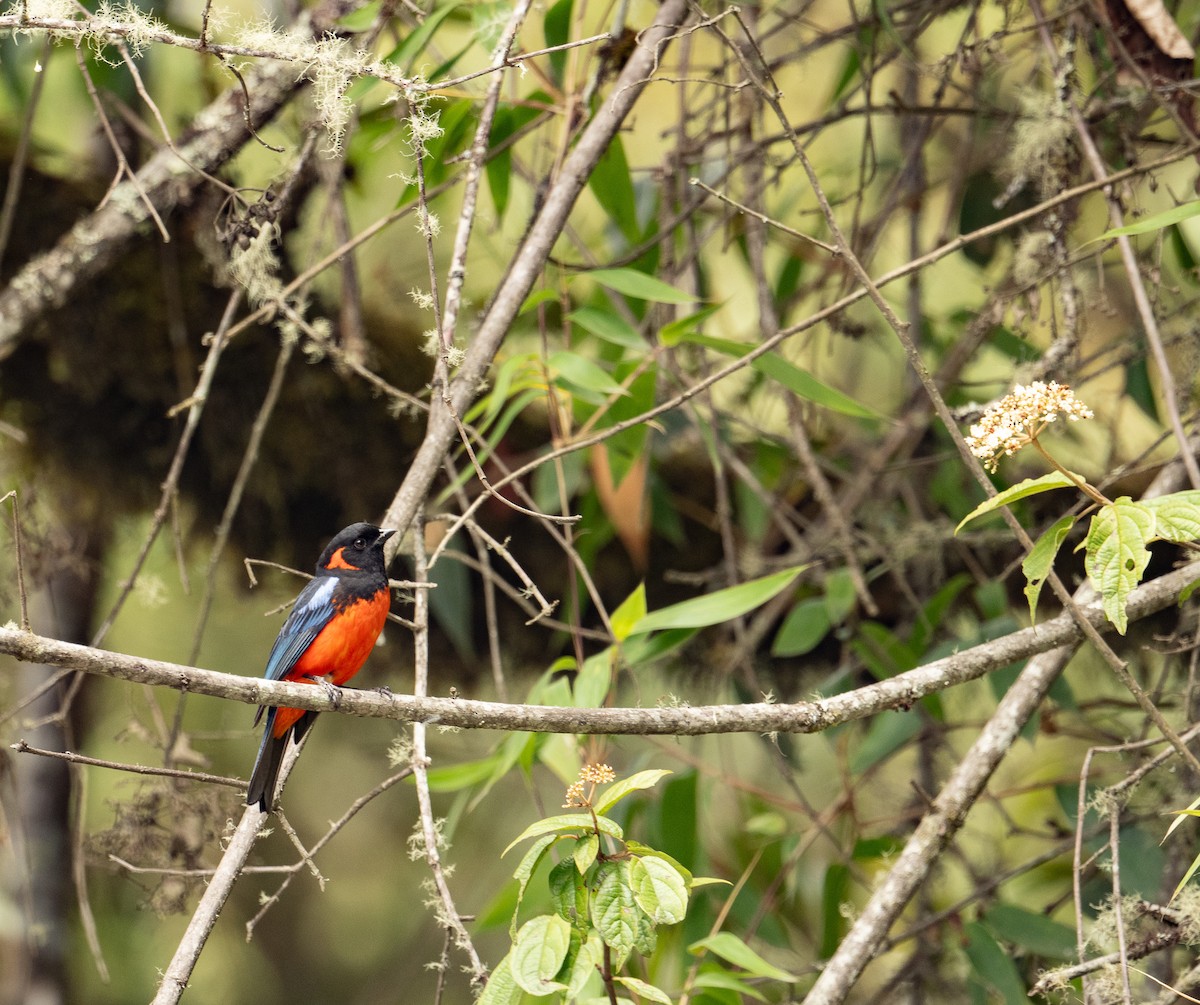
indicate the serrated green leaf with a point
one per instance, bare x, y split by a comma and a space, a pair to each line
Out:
501, 988
721, 606
614, 911
733, 950
539, 952
1029, 487
1116, 554
586, 850
639, 285
1040, 560
524, 871
568, 892
565, 823
609, 326
659, 890
619, 790
1177, 516
645, 991
586, 961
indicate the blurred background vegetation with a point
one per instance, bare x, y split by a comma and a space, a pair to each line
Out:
924, 122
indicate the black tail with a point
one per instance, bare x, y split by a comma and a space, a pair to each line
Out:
270, 756
266, 768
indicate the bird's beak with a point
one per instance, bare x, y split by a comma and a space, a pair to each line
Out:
384, 534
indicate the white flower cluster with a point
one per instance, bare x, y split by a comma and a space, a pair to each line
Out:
1020, 417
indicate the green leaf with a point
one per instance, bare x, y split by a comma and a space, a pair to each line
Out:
803, 628
588, 959
805, 385
1116, 554
796, 380
583, 373
566, 823
593, 680
619, 790
992, 966
419, 37
631, 610
721, 606
888, 732
840, 595
568, 892
659, 890
1040, 560
502, 988
614, 911
733, 950
523, 872
556, 27
539, 953
586, 849
1035, 932
833, 916
612, 184
1022, 490
673, 332
724, 980
608, 326
1156, 221
1177, 516
639, 285
645, 991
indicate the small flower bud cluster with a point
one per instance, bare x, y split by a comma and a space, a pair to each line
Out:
578, 793
1020, 417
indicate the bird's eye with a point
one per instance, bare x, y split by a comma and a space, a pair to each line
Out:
359, 544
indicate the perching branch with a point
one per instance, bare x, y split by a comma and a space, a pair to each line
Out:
900, 691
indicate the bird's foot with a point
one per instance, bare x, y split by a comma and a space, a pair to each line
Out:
333, 693
384, 690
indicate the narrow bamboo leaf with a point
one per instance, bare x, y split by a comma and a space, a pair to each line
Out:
1116, 554
833, 915
539, 953
723, 980
608, 326
805, 385
733, 950
659, 890
501, 988
719, 607
1156, 221
583, 373
991, 965
1182, 815
566, 823
1022, 490
1177, 516
1040, 560
647, 992
1035, 932
612, 184
416, 40
556, 26
619, 790
639, 285
673, 332
803, 628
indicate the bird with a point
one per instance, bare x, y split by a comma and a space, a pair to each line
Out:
326, 639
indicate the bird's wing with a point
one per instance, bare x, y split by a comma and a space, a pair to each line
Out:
313, 610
